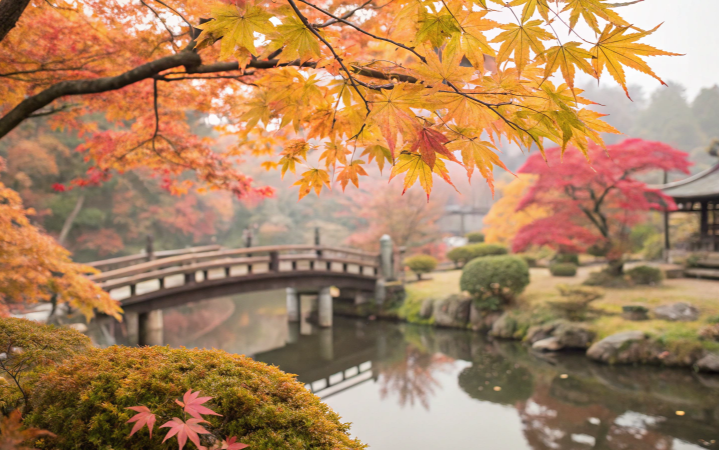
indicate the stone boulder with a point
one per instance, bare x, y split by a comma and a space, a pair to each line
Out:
427, 308
482, 320
540, 332
573, 336
505, 327
453, 311
623, 348
677, 311
550, 344
709, 363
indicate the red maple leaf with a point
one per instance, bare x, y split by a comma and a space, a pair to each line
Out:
184, 430
144, 417
193, 404
430, 142
232, 444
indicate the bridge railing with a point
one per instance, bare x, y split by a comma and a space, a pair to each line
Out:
129, 260
239, 262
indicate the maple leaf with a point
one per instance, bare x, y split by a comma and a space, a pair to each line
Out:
435, 28
299, 41
471, 41
313, 179
351, 172
378, 152
13, 434
416, 169
429, 142
391, 111
566, 57
519, 39
184, 430
444, 70
192, 404
530, 6
479, 154
237, 28
334, 154
144, 417
589, 10
232, 444
616, 48
294, 153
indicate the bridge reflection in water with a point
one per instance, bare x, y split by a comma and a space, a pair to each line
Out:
416, 387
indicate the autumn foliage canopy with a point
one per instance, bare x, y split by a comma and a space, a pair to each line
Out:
319, 89
594, 204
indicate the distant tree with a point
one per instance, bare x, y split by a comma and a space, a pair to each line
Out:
595, 204
410, 219
706, 111
621, 112
669, 118
504, 220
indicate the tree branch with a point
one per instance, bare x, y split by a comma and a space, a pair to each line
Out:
10, 12
83, 87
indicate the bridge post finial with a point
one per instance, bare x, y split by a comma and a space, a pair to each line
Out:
386, 250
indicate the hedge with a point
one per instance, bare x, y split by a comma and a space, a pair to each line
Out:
462, 255
563, 269
495, 280
475, 237
645, 275
420, 264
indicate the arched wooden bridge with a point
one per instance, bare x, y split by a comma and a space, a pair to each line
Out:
180, 276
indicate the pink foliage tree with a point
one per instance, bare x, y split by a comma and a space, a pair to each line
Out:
595, 204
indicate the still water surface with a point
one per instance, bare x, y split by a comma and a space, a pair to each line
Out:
412, 387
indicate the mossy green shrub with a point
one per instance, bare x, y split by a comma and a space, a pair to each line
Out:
570, 258
653, 249
495, 280
530, 259
474, 237
460, 255
645, 275
598, 250
421, 264
575, 301
84, 401
606, 278
33, 349
558, 269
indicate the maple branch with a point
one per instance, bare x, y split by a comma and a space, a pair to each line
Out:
172, 35
51, 111
308, 25
10, 12
176, 12
339, 19
343, 17
83, 87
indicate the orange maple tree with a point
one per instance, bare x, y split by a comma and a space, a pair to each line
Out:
33, 267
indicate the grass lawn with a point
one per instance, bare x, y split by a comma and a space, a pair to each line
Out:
703, 294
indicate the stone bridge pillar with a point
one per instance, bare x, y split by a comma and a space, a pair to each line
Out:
324, 305
151, 328
293, 305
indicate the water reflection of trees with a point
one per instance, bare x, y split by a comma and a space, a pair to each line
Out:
410, 374
569, 403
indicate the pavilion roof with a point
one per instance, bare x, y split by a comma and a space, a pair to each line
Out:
702, 186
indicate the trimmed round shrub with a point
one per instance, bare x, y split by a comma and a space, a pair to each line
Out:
35, 348
558, 269
474, 237
420, 264
495, 280
571, 258
482, 250
460, 255
84, 401
645, 275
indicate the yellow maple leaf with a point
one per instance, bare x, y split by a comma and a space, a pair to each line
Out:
391, 110
236, 28
444, 70
479, 154
333, 154
351, 172
567, 58
378, 152
530, 6
519, 39
616, 48
294, 153
416, 169
313, 179
300, 43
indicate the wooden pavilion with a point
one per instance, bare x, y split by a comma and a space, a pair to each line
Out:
698, 194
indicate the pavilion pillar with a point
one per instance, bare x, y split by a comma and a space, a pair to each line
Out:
704, 227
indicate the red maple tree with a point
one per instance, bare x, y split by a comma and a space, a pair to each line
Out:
597, 203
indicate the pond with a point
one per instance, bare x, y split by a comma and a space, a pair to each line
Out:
412, 387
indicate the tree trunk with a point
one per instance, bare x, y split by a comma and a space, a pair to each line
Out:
70, 219
615, 267
10, 12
